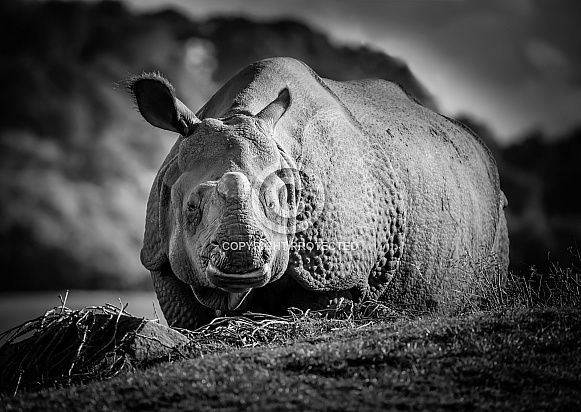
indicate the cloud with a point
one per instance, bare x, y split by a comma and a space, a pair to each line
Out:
550, 62
491, 59
77, 161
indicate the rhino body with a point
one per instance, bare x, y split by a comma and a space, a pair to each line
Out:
287, 189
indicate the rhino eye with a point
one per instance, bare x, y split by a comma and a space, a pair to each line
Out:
286, 191
283, 193
193, 213
192, 209
269, 200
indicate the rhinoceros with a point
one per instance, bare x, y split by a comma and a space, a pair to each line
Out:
290, 190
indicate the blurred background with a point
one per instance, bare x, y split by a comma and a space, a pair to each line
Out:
77, 160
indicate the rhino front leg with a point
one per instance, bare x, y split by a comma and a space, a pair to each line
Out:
178, 302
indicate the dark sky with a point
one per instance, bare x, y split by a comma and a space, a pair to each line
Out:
515, 65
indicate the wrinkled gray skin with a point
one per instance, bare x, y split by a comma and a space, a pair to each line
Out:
401, 203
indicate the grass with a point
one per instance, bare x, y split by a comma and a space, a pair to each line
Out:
521, 353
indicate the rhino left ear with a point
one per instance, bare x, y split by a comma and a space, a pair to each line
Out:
156, 100
272, 113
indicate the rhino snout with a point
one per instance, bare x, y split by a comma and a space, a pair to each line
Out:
241, 256
238, 266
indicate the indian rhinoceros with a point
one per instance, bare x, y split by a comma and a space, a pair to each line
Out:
290, 190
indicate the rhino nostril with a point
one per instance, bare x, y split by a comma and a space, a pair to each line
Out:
216, 252
266, 254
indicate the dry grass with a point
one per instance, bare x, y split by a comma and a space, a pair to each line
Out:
66, 347
559, 287
488, 361
258, 330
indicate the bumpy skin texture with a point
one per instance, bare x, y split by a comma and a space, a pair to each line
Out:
409, 199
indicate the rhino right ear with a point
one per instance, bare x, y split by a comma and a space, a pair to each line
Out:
272, 113
157, 102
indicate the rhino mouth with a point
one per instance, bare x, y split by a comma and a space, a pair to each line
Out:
237, 282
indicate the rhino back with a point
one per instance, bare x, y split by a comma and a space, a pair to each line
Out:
447, 177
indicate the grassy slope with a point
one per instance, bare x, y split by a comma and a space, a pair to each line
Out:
507, 360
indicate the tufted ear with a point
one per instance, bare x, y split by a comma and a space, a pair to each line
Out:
157, 102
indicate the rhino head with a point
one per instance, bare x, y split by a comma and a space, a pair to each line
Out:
223, 208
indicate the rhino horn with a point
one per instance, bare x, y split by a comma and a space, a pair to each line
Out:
158, 104
272, 113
